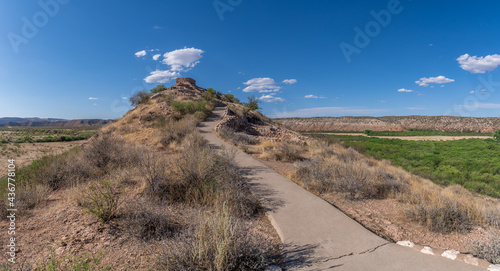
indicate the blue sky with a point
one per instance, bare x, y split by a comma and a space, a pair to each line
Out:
83, 59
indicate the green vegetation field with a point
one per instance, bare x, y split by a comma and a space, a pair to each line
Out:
472, 163
44, 134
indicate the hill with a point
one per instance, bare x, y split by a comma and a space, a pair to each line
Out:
393, 123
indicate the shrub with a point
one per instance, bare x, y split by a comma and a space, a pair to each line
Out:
281, 151
220, 243
148, 221
230, 98
158, 88
236, 138
176, 131
139, 98
102, 200
31, 194
489, 249
106, 151
253, 103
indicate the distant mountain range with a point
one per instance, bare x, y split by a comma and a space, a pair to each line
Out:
50, 122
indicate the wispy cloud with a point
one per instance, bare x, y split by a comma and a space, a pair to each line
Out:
260, 84
124, 98
405, 90
310, 96
290, 81
479, 106
92, 98
425, 81
417, 108
481, 64
329, 111
140, 53
271, 98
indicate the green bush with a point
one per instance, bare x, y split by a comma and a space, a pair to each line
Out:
253, 103
230, 98
102, 200
158, 88
139, 98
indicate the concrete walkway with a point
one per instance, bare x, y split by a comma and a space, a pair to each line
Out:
316, 235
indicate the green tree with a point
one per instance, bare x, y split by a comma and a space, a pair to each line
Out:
253, 103
158, 88
230, 98
496, 136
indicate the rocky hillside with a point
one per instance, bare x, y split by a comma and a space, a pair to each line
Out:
393, 123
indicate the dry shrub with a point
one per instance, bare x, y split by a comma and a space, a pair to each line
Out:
489, 249
355, 178
148, 221
237, 138
177, 130
443, 210
28, 195
281, 151
199, 176
107, 152
220, 243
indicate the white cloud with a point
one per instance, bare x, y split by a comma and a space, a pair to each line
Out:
425, 81
140, 53
404, 90
155, 57
310, 96
182, 59
471, 92
261, 85
159, 76
290, 81
475, 64
270, 98
124, 98
329, 111
92, 98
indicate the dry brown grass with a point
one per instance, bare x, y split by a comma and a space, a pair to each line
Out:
280, 151
219, 243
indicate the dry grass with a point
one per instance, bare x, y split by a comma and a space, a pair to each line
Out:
281, 151
219, 243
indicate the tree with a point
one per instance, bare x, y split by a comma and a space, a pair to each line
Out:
139, 98
253, 103
158, 88
496, 136
230, 98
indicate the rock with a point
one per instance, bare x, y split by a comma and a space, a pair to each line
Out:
406, 243
471, 260
427, 250
59, 250
273, 268
450, 254
494, 267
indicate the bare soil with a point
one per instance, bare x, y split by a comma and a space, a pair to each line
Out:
28, 152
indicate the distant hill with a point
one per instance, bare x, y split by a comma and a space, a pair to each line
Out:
393, 123
50, 122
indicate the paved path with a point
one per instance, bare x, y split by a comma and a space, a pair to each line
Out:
316, 235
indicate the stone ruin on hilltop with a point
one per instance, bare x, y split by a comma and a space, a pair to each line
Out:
186, 86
